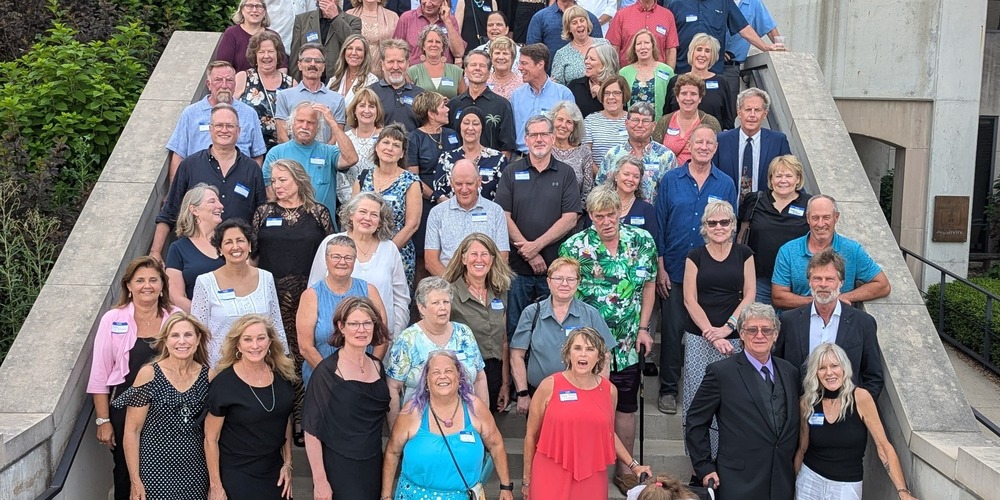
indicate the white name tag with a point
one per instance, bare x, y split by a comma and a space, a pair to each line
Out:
641, 272
273, 221
312, 37
661, 30
467, 437
487, 8
567, 396
711, 85
569, 330
663, 74
637, 221
407, 100
228, 294
390, 197
241, 190
816, 419
713, 198
203, 127
623, 132
317, 161
496, 305
447, 82
796, 211
673, 131
119, 327
452, 139
461, 355
485, 172
522, 176
479, 217
691, 18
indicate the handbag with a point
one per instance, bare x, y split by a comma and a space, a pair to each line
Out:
744, 233
476, 492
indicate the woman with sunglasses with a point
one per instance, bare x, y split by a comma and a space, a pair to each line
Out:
719, 281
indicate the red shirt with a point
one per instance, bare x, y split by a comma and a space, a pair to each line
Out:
408, 28
631, 19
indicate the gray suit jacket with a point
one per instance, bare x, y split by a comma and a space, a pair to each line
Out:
306, 30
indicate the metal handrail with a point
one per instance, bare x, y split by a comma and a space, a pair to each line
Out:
985, 358
69, 454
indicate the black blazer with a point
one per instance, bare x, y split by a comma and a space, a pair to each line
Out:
727, 156
754, 461
855, 335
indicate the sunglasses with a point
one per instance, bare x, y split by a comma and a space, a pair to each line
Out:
723, 222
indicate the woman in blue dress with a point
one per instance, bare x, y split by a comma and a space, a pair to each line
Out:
441, 435
399, 188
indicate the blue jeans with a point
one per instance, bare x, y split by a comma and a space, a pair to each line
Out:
763, 291
673, 314
524, 290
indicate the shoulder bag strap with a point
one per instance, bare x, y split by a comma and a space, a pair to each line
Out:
452, 454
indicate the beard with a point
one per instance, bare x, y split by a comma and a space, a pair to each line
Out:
224, 96
827, 297
395, 80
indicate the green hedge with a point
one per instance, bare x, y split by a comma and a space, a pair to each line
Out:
965, 313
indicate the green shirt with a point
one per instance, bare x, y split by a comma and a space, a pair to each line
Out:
613, 284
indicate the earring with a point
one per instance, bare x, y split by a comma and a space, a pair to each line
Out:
239, 354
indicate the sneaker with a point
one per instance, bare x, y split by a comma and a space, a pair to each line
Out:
667, 404
626, 482
650, 370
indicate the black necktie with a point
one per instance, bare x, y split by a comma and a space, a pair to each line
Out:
746, 181
767, 376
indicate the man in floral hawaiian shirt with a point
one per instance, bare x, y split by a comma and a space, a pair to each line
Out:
617, 272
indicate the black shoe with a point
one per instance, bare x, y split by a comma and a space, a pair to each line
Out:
299, 437
650, 370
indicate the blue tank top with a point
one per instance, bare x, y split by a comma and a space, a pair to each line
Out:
427, 467
327, 303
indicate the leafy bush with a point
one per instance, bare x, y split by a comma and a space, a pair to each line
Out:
885, 195
965, 313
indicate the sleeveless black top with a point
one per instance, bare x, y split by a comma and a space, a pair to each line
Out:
836, 450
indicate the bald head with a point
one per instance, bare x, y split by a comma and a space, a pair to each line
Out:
465, 181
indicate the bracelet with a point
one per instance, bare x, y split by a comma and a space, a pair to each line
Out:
522, 394
287, 465
633, 464
507, 487
642, 328
903, 490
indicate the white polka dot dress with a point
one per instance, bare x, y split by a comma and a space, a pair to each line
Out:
171, 444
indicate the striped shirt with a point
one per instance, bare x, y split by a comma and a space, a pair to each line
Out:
603, 133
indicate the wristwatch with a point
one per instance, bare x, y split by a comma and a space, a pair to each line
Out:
522, 394
101, 421
507, 487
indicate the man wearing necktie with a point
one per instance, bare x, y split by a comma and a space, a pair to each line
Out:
745, 152
752, 396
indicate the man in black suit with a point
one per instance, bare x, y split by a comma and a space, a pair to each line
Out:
754, 397
327, 26
745, 153
827, 319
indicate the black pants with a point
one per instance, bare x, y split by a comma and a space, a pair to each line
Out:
123, 485
494, 379
523, 14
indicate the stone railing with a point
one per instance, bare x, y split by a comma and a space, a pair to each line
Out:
44, 376
926, 413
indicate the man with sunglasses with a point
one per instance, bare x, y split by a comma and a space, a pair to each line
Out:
682, 196
327, 26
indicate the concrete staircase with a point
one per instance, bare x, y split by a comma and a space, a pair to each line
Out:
664, 449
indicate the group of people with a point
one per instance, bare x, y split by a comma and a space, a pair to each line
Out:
409, 220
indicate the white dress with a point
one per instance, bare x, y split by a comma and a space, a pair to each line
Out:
384, 271
219, 309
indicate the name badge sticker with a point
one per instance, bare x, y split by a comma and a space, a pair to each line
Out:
317, 161
637, 221
447, 82
273, 222
690, 18
203, 127
796, 210
119, 327
390, 198
641, 272
661, 30
673, 131
312, 36
713, 198
485, 172
523, 175
487, 8
461, 355
407, 100
466, 437
458, 115
663, 74
452, 139
479, 217
227, 294
242, 190
623, 132
570, 330
711, 85
816, 419
496, 305
567, 396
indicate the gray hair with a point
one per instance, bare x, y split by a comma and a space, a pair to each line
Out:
386, 221
480, 52
574, 113
753, 92
536, 119
612, 179
394, 43
291, 118
718, 207
609, 58
341, 240
311, 46
836, 208
758, 310
603, 198
641, 108
186, 225
431, 284
437, 29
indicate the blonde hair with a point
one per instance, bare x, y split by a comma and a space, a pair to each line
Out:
275, 357
787, 162
500, 275
569, 15
704, 39
630, 54
812, 389
200, 352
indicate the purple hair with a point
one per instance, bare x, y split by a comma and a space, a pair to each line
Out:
421, 397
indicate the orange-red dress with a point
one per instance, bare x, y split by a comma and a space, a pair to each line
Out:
576, 444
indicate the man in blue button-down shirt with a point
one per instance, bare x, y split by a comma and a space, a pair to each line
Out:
546, 26
539, 95
681, 198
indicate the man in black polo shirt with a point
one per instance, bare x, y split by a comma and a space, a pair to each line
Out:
237, 177
393, 90
498, 131
541, 198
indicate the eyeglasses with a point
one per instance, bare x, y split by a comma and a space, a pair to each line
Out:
613, 93
254, 6
753, 332
311, 60
641, 121
224, 126
338, 258
562, 280
361, 325
722, 222
538, 135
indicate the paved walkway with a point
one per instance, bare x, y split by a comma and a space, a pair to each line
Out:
981, 387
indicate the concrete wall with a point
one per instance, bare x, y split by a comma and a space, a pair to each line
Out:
45, 373
927, 416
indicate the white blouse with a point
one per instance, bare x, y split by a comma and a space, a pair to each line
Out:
219, 309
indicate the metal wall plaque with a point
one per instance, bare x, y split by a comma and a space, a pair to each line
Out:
951, 219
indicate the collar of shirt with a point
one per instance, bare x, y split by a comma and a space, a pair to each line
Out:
758, 365
640, 8
754, 138
834, 243
453, 204
383, 83
545, 309
813, 314
322, 89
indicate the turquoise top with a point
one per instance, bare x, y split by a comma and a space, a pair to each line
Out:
326, 304
428, 470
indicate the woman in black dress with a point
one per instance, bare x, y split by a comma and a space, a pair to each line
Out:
288, 231
248, 430
346, 406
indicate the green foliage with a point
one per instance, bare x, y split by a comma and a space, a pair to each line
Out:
885, 195
965, 313
27, 253
993, 215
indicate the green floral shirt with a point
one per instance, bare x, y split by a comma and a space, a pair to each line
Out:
613, 284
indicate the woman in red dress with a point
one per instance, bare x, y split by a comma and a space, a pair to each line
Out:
573, 403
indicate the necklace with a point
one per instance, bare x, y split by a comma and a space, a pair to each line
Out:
626, 208
254, 392
367, 254
388, 182
361, 365
476, 293
438, 140
448, 422
145, 321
